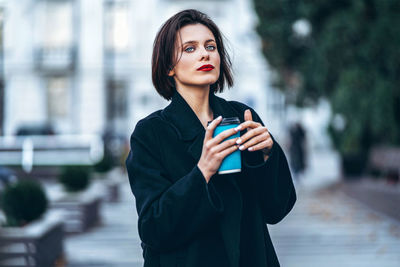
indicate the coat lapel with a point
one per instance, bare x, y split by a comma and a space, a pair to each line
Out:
187, 124
190, 129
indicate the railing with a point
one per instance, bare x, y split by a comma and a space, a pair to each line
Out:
50, 150
53, 59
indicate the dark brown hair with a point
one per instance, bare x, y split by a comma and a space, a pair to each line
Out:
164, 59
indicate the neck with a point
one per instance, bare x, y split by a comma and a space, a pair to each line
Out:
198, 100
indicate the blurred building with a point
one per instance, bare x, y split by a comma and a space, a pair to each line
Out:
85, 65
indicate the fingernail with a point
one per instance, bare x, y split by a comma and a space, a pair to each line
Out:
238, 128
241, 147
219, 117
238, 141
250, 149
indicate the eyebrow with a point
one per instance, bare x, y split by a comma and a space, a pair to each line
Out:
195, 42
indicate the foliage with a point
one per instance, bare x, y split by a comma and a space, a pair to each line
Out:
351, 57
106, 163
23, 202
75, 178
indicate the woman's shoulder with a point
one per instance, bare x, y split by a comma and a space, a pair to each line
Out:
153, 122
147, 123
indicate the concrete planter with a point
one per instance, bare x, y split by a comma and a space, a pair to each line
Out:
39, 243
112, 193
81, 210
110, 182
353, 165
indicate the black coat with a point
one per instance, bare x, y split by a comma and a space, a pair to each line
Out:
183, 221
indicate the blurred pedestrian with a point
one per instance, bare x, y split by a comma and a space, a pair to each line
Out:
297, 150
189, 214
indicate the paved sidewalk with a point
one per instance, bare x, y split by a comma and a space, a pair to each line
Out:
377, 194
114, 243
326, 228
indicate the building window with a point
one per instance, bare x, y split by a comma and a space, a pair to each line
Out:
117, 95
58, 24
54, 36
117, 26
57, 98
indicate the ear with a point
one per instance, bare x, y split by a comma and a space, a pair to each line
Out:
171, 73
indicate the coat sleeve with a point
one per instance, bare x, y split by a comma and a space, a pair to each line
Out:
273, 181
170, 213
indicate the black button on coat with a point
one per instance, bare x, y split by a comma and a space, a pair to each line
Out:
183, 221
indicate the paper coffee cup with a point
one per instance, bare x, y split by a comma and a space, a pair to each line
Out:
231, 163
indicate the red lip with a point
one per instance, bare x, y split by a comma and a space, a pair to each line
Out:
207, 67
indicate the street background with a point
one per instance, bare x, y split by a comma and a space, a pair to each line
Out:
75, 77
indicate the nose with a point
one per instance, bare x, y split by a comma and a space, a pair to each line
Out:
204, 54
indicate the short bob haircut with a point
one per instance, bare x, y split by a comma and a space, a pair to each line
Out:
164, 57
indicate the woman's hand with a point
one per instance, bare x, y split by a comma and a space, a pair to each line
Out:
214, 151
257, 136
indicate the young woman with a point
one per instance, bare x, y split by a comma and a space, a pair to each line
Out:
189, 215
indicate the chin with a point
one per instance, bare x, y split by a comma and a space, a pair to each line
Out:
201, 82
210, 81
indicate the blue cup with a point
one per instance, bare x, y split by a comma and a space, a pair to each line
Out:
231, 163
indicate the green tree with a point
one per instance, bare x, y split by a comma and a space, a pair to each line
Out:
23, 202
351, 57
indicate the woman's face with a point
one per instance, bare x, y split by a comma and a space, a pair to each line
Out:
198, 58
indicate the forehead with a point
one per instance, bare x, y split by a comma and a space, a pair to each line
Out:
195, 32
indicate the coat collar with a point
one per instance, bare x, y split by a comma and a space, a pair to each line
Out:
185, 120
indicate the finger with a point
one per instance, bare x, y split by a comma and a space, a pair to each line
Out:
227, 151
265, 144
250, 134
227, 143
254, 141
223, 135
249, 124
211, 127
247, 115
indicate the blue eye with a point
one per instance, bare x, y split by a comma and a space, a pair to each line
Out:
211, 47
189, 49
